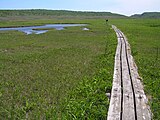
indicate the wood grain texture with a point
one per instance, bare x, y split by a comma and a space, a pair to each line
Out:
128, 100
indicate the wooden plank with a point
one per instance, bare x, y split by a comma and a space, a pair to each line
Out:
115, 102
143, 109
128, 100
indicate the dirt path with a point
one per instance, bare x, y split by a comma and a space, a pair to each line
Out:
128, 100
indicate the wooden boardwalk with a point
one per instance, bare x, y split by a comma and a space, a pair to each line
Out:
128, 100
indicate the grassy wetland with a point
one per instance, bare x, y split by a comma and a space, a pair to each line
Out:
56, 75
65, 74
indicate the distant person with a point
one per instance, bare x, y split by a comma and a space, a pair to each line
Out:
106, 20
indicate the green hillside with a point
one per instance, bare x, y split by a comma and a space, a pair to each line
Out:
147, 15
42, 12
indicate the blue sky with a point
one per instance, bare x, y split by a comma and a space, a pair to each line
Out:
126, 7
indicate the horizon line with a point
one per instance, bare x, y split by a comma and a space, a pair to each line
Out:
76, 10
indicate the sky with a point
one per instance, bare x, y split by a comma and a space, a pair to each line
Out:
125, 7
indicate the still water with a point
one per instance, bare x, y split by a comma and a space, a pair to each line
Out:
31, 29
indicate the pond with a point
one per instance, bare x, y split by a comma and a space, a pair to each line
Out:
32, 29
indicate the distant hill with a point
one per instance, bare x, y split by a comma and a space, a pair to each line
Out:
147, 15
43, 12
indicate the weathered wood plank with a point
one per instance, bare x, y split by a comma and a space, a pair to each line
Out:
143, 109
128, 100
115, 102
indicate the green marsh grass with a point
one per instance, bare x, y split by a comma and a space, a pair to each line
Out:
49, 76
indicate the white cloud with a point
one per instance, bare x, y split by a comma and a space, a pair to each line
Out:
127, 7
136, 6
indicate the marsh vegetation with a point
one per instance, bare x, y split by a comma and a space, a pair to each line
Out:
66, 74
